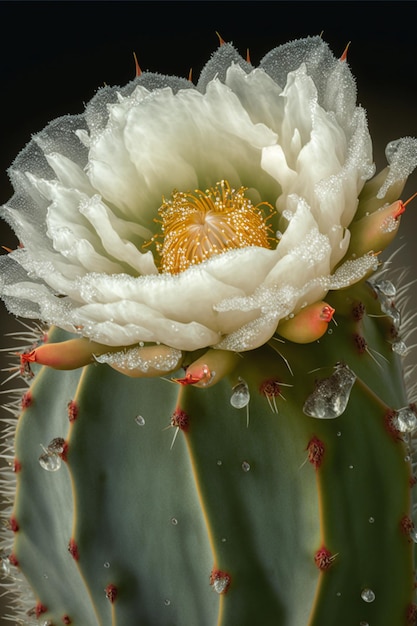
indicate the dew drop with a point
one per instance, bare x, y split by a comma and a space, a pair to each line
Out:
240, 395
400, 347
405, 420
330, 331
331, 395
245, 466
167, 602
220, 584
50, 462
140, 420
174, 521
339, 433
223, 539
386, 287
371, 520
351, 466
363, 624
107, 565
339, 593
56, 446
219, 462
389, 309
407, 458
367, 595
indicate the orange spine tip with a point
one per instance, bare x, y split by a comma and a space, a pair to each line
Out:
137, 66
221, 40
345, 51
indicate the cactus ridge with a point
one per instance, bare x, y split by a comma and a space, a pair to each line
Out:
227, 504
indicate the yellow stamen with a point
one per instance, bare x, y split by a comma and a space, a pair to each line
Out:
196, 226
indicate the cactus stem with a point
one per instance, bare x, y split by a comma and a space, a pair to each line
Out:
315, 449
323, 558
287, 363
111, 593
73, 549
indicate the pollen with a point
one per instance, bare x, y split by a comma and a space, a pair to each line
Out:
198, 225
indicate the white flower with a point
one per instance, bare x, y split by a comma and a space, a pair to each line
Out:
114, 248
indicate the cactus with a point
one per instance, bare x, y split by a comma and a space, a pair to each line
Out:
262, 478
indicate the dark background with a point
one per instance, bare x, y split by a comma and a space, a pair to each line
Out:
54, 56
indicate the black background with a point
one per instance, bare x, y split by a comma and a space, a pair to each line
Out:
54, 56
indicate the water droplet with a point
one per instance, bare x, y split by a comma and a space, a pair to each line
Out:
220, 584
56, 446
351, 466
245, 466
389, 309
339, 433
107, 565
330, 331
371, 520
389, 225
339, 593
367, 595
140, 420
167, 602
386, 287
219, 462
407, 458
45, 576
405, 420
363, 624
50, 462
174, 521
224, 539
400, 347
331, 395
240, 395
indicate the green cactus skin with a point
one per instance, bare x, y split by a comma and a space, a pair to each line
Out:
292, 519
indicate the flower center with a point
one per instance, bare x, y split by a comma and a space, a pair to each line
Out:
196, 226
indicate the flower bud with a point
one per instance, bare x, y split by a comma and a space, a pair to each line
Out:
66, 355
308, 325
